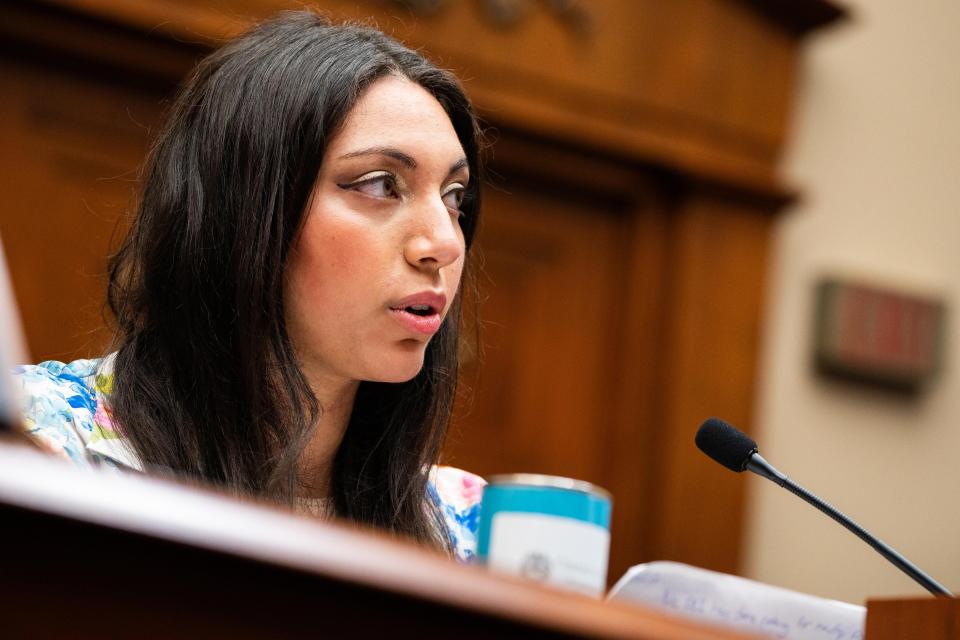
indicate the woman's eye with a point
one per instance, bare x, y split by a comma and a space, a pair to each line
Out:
378, 185
453, 196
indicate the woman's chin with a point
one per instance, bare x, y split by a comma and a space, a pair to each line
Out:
397, 377
398, 369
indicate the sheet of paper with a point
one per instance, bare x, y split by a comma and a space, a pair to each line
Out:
739, 603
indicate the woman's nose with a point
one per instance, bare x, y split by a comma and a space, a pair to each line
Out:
436, 240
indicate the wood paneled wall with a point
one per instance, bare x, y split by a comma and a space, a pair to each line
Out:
624, 237
70, 150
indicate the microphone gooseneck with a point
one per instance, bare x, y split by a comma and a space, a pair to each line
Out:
738, 452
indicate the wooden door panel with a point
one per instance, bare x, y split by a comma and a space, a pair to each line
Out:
548, 286
69, 154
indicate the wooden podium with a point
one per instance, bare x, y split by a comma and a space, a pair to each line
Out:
97, 555
926, 618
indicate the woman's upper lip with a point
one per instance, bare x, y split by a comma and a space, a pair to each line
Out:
436, 301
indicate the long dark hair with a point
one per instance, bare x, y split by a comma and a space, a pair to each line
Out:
207, 383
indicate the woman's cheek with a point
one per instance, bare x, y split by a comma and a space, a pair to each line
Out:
456, 275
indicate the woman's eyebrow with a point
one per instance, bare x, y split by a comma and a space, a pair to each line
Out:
401, 157
458, 165
390, 152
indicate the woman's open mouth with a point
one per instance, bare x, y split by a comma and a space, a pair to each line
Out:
421, 312
418, 318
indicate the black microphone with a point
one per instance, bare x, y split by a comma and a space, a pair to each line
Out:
737, 451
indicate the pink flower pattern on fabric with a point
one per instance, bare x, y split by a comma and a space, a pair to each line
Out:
458, 494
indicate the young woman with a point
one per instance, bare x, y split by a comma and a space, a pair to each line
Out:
287, 297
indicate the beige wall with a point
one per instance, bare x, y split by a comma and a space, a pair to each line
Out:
876, 151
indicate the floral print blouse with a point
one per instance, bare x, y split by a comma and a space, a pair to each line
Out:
65, 410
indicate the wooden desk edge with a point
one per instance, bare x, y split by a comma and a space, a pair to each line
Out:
203, 518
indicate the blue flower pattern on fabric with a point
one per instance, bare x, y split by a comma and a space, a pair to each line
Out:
57, 405
458, 493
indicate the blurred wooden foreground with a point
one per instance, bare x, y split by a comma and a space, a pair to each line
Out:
624, 239
94, 555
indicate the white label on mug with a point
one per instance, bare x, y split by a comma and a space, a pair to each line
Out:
559, 551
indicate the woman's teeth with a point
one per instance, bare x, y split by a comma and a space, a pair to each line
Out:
419, 309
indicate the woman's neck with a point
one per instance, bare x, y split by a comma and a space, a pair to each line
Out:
316, 463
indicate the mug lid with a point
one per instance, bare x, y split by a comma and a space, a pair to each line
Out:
554, 482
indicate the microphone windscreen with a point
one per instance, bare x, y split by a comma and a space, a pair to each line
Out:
726, 444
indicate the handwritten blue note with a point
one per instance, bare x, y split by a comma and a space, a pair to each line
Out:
736, 602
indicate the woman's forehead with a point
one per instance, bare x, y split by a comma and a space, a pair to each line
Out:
395, 112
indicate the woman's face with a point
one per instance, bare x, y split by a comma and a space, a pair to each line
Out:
379, 258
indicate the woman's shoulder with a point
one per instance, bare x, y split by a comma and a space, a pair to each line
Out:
457, 487
64, 412
458, 493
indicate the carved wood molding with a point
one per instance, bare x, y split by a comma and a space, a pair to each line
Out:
800, 16
657, 124
509, 14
